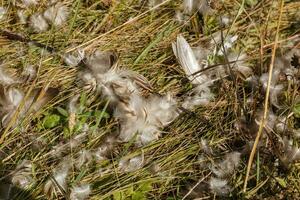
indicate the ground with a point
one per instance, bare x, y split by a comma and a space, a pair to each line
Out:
141, 37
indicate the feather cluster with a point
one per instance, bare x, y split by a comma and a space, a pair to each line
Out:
22, 177
201, 94
58, 181
194, 62
56, 14
132, 164
138, 116
223, 171
80, 192
290, 152
283, 71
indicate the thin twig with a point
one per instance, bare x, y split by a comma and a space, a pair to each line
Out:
192, 189
261, 126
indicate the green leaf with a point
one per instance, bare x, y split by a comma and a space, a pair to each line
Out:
51, 121
101, 114
138, 196
297, 110
62, 111
117, 195
145, 187
281, 182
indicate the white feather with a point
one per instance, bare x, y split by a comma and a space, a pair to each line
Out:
22, 177
188, 61
290, 153
57, 14
27, 3
23, 16
84, 158
2, 13
99, 62
60, 177
132, 164
228, 165
38, 23
29, 72
201, 96
6, 78
80, 192
219, 186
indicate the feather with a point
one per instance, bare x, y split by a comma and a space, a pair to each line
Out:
2, 13
59, 180
22, 177
73, 104
219, 186
290, 152
84, 158
81, 192
145, 117
38, 23
100, 61
227, 167
153, 3
189, 6
57, 14
89, 81
27, 3
132, 164
23, 16
29, 72
201, 95
239, 64
5, 77
188, 61
9, 100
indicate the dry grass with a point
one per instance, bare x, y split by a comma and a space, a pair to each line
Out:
172, 165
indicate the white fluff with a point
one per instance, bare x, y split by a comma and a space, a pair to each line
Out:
60, 177
219, 186
80, 192
153, 3
275, 89
145, 117
228, 42
22, 16
9, 103
290, 153
88, 80
116, 85
240, 64
29, 72
201, 95
2, 13
228, 165
23, 176
132, 164
188, 61
38, 23
6, 78
99, 62
84, 157
28, 3
191, 6
57, 14
73, 104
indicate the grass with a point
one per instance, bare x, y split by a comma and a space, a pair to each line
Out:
142, 40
